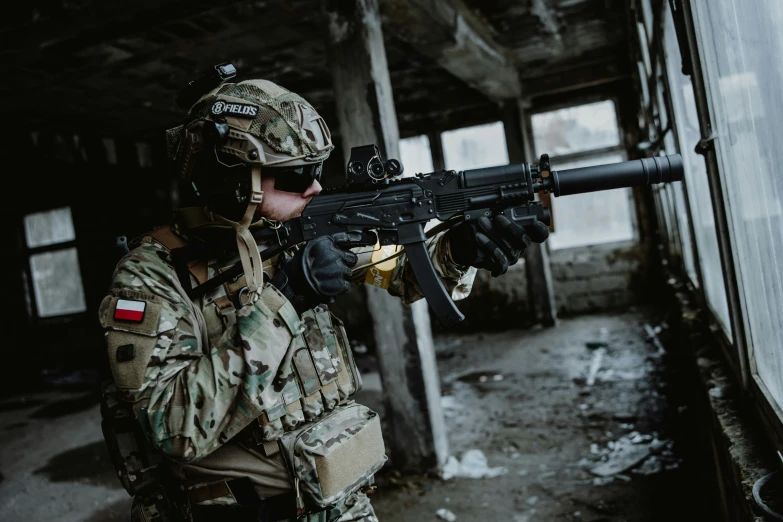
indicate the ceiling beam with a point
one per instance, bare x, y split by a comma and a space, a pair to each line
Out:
450, 34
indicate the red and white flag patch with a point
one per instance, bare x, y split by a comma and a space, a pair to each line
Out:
128, 310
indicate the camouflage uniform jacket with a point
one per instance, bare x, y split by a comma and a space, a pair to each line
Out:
199, 389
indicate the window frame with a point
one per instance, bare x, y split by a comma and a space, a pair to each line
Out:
26, 253
771, 412
734, 354
665, 89
704, 106
621, 148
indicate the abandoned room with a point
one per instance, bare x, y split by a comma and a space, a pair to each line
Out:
623, 370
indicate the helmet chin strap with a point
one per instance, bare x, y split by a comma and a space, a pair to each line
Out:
246, 243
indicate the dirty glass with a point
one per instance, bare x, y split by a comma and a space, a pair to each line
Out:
647, 16
57, 283
475, 147
576, 129
644, 50
49, 228
415, 155
592, 218
742, 44
681, 211
667, 210
688, 134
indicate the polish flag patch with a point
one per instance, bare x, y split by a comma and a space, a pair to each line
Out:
128, 310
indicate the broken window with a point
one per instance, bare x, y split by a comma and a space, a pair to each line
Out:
742, 45
53, 262
689, 134
584, 136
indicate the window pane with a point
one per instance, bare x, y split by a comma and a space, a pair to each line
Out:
57, 283
688, 133
742, 49
647, 16
49, 228
576, 129
667, 209
686, 248
475, 147
415, 155
592, 218
681, 213
643, 45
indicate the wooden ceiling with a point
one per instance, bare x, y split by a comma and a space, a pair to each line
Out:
115, 66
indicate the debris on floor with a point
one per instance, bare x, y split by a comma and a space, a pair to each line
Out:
652, 337
595, 365
629, 451
473, 465
445, 514
449, 405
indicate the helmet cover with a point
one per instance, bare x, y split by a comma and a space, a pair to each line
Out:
268, 125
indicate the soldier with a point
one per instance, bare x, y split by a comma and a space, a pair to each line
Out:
237, 404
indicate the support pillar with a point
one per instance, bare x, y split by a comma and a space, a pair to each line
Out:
436, 150
366, 115
541, 295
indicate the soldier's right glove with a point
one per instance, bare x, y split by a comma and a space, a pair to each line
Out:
492, 244
317, 273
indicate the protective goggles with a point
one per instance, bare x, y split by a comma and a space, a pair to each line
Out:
295, 179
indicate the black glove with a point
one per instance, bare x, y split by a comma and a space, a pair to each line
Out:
494, 245
317, 273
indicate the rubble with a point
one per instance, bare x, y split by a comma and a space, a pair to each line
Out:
629, 451
473, 465
651, 466
445, 514
652, 336
595, 365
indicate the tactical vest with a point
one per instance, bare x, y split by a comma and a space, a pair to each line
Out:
331, 445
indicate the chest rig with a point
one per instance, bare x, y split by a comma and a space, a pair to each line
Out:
319, 371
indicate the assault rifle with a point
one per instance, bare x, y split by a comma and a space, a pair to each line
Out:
381, 207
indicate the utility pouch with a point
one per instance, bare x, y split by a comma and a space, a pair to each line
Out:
319, 374
334, 456
136, 463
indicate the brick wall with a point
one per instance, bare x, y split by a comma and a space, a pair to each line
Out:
585, 279
597, 278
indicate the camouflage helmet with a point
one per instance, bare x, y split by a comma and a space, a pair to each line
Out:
261, 124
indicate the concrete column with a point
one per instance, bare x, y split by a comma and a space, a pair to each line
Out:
539, 276
366, 115
436, 150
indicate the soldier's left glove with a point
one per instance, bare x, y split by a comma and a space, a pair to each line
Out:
492, 244
317, 273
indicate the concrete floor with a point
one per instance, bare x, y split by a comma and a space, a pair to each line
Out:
540, 403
